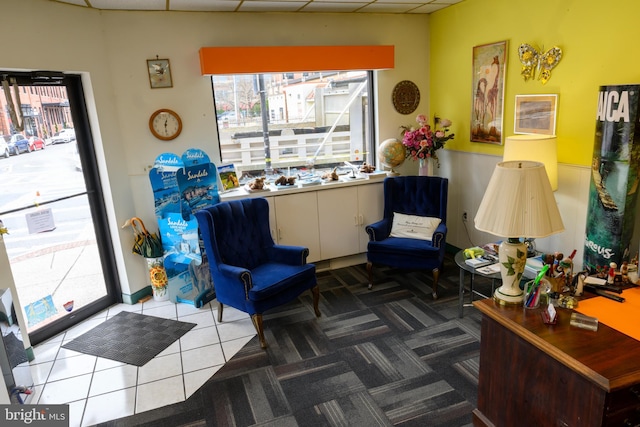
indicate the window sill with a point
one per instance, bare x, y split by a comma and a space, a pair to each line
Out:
272, 190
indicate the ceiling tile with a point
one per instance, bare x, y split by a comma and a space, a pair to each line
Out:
334, 6
379, 7
271, 6
130, 4
204, 5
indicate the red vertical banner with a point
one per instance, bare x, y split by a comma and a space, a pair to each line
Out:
612, 229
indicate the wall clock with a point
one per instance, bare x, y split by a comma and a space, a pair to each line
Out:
165, 124
405, 97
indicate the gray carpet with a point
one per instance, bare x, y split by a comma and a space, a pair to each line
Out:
389, 356
130, 337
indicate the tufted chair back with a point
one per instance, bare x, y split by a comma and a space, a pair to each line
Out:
242, 232
416, 195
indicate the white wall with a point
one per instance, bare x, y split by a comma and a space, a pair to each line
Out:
110, 49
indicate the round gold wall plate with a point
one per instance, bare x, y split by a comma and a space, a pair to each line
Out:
165, 124
405, 97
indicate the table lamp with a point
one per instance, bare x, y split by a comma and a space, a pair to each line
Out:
537, 148
518, 202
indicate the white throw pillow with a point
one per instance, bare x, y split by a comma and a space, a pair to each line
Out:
413, 226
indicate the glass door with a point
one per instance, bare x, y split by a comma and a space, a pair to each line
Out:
51, 204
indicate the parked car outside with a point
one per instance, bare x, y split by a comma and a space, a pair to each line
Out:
19, 144
64, 136
36, 143
4, 146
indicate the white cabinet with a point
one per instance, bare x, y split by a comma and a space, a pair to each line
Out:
297, 222
328, 221
370, 208
343, 214
272, 218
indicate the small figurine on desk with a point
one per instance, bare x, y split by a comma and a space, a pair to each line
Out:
611, 275
579, 283
602, 271
564, 272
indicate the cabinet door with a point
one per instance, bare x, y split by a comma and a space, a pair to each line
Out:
272, 218
370, 210
338, 222
297, 222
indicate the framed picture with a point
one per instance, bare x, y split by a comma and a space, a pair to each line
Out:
228, 177
535, 114
489, 68
159, 73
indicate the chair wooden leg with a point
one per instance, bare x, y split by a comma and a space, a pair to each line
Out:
436, 276
220, 306
316, 298
257, 322
370, 274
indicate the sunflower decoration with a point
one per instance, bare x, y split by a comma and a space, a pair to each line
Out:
158, 275
3, 229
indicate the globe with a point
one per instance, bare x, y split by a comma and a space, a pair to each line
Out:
391, 153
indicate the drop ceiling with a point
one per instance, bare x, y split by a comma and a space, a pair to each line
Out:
323, 6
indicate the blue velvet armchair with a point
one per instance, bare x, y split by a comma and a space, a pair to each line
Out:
424, 196
249, 271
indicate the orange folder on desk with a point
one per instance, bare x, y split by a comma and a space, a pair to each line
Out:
622, 316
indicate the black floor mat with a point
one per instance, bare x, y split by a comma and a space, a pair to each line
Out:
130, 337
15, 350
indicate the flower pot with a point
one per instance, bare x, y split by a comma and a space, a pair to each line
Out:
158, 278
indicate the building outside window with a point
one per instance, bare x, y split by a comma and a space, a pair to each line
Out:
294, 123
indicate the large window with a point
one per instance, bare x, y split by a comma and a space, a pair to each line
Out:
271, 124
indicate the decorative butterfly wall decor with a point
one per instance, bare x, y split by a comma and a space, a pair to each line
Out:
533, 60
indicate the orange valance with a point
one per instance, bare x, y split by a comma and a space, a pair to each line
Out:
270, 59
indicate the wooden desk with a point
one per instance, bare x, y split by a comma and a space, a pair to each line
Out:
532, 374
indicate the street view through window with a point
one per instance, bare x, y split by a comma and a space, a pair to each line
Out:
50, 242
294, 124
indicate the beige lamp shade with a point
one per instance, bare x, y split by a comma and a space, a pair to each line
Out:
537, 148
519, 202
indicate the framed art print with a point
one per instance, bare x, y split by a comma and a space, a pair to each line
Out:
489, 67
228, 177
535, 114
159, 73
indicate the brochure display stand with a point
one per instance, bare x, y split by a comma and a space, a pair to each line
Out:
612, 224
181, 186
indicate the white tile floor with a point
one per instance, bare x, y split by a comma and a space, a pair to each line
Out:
99, 389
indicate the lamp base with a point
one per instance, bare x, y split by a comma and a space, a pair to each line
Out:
512, 256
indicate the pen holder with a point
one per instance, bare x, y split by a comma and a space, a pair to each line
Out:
534, 294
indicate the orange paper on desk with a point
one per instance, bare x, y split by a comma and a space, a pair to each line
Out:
622, 317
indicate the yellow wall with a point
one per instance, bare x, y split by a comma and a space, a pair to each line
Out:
597, 40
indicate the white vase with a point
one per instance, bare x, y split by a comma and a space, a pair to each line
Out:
158, 278
425, 167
